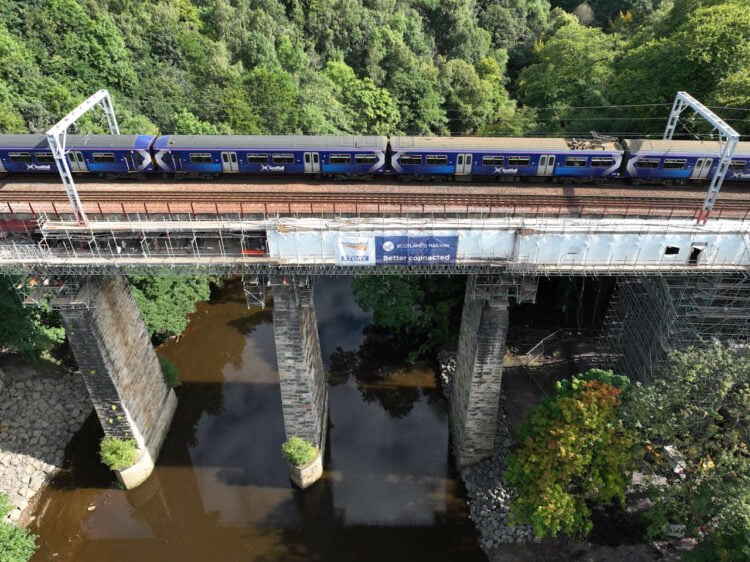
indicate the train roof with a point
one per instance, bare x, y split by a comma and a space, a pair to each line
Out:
681, 146
274, 142
495, 143
39, 142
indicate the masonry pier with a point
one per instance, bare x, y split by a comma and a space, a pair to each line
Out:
479, 372
304, 397
119, 367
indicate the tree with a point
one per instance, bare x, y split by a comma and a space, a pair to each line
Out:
574, 452
426, 310
695, 418
166, 301
572, 67
32, 330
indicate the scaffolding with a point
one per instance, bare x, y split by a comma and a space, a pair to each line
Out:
650, 316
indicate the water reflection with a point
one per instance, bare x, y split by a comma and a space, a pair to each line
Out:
220, 490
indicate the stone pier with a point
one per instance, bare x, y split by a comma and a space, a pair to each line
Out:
479, 372
304, 397
120, 369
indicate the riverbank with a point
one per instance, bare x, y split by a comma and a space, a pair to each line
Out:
41, 407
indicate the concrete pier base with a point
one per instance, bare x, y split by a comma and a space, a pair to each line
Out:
478, 377
120, 369
304, 397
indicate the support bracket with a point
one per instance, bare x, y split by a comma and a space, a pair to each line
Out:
728, 140
57, 136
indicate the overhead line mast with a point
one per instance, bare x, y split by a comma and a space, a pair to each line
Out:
728, 140
57, 136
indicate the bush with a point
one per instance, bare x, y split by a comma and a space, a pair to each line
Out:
118, 453
574, 452
170, 372
298, 451
16, 544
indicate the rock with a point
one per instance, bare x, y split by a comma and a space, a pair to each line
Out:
91, 508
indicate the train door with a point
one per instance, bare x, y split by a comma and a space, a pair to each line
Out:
463, 164
702, 167
229, 164
312, 163
76, 161
546, 165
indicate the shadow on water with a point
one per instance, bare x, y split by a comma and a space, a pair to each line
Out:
221, 491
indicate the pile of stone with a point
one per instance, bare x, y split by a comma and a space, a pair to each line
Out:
447, 364
38, 417
489, 498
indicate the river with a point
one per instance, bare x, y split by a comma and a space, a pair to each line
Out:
220, 489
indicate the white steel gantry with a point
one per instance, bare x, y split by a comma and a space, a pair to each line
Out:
728, 140
57, 136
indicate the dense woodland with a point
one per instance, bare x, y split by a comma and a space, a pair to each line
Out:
499, 67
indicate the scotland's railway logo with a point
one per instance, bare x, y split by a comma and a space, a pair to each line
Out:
269, 168
39, 167
740, 176
506, 170
388, 246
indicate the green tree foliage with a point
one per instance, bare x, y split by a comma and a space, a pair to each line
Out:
166, 301
16, 544
695, 418
572, 67
574, 452
706, 54
425, 309
30, 330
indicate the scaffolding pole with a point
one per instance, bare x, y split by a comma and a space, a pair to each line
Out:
57, 136
728, 140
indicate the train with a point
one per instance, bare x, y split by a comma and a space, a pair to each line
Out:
367, 157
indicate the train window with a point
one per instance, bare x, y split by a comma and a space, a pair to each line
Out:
601, 162
103, 157
20, 156
576, 162
410, 159
435, 159
257, 158
647, 163
283, 158
519, 160
200, 157
492, 160
672, 164
738, 164
44, 157
365, 159
340, 159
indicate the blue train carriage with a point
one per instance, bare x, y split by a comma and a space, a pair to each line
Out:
102, 154
276, 155
505, 159
682, 161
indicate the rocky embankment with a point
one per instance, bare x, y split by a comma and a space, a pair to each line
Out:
38, 416
489, 499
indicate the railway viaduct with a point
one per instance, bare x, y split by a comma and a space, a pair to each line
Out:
681, 277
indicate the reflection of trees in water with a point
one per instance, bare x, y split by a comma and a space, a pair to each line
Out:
194, 399
371, 365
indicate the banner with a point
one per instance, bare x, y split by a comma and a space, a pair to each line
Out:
355, 250
415, 250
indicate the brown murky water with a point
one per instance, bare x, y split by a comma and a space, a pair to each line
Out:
220, 490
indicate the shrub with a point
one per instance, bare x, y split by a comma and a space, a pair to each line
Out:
118, 453
16, 544
298, 451
170, 372
574, 452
